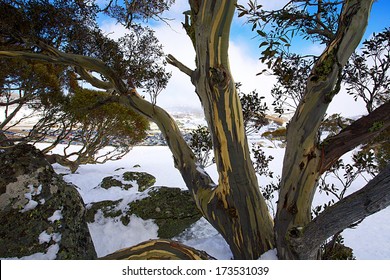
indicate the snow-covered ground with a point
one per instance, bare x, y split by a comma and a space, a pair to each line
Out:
370, 240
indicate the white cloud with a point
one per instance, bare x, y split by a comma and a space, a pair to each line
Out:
245, 65
344, 104
180, 92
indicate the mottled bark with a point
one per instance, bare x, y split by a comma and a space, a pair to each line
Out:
301, 166
158, 250
235, 207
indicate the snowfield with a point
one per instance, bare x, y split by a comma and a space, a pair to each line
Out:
370, 240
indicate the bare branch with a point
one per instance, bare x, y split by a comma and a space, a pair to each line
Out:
173, 61
11, 116
87, 76
17, 101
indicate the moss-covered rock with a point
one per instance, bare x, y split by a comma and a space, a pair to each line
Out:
114, 181
109, 182
172, 209
128, 180
108, 207
39, 211
144, 180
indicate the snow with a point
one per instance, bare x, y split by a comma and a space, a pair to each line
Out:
269, 255
57, 215
110, 235
31, 204
44, 237
50, 254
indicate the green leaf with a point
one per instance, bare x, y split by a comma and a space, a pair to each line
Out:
243, 13
261, 33
283, 40
263, 44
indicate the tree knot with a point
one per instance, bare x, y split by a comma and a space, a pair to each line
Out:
218, 76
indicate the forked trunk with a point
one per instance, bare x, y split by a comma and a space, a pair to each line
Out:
303, 158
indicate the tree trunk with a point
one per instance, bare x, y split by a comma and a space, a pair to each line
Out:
236, 207
303, 157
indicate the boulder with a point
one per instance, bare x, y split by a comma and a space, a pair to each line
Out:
41, 215
172, 209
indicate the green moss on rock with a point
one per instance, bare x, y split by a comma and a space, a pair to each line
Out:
143, 179
109, 182
172, 209
108, 207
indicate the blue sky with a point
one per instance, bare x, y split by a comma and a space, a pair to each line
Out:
244, 55
380, 18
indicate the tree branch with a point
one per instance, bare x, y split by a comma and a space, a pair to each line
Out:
87, 76
359, 132
372, 198
17, 101
302, 158
173, 61
197, 181
11, 116
80, 61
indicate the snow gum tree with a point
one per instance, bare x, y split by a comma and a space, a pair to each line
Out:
234, 204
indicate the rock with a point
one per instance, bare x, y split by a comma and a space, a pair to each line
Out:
144, 180
39, 212
112, 181
172, 209
128, 180
108, 207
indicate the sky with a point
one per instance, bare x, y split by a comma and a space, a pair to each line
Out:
243, 53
